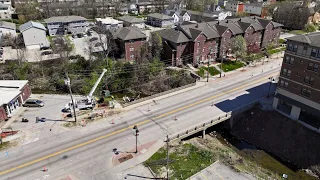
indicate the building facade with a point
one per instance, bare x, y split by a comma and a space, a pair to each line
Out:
6, 10
129, 41
34, 35
298, 91
13, 93
60, 25
160, 20
7, 29
132, 21
199, 43
234, 6
109, 23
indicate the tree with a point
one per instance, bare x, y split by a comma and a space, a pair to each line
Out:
239, 46
156, 45
241, 14
310, 28
29, 10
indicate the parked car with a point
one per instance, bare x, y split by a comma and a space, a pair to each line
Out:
93, 39
33, 103
46, 53
44, 48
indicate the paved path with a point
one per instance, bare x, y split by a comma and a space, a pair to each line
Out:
219, 171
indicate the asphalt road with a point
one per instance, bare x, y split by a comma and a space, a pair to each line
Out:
87, 153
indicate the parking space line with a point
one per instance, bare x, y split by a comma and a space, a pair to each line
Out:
204, 176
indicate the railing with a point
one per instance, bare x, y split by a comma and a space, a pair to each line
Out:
212, 122
157, 95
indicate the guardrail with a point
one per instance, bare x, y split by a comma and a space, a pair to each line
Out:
214, 121
157, 95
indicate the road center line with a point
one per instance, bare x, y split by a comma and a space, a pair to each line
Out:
128, 128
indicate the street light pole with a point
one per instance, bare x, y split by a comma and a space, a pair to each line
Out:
136, 134
209, 64
271, 79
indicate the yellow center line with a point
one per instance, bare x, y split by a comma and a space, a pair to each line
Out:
128, 128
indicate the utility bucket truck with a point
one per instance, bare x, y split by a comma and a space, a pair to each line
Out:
89, 102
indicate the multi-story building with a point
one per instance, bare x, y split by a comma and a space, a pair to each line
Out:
34, 35
198, 43
109, 23
256, 9
129, 41
298, 92
132, 21
7, 28
160, 20
234, 6
6, 10
60, 25
150, 7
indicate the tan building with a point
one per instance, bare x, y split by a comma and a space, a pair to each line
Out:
298, 92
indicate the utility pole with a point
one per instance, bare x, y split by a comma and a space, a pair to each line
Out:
73, 105
167, 157
135, 128
209, 63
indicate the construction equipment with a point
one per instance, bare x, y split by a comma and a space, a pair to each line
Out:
89, 102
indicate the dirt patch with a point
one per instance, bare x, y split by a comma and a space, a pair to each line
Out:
280, 136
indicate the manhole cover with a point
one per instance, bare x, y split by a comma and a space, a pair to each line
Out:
125, 158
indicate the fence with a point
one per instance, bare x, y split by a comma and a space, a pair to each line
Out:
159, 94
214, 121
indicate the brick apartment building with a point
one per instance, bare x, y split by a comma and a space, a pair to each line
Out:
298, 92
204, 42
13, 93
129, 40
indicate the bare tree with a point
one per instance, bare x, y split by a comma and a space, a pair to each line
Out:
63, 48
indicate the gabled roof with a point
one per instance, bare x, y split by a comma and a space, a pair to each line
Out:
8, 25
313, 39
244, 26
129, 33
64, 19
31, 24
257, 26
232, 26
173, 35
131, 19
159, 16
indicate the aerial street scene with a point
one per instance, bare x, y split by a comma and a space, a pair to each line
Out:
159, 89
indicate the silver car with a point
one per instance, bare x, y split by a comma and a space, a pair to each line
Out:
33, 103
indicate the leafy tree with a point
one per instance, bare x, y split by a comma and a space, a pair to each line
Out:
310, 27
156, 45
239, 46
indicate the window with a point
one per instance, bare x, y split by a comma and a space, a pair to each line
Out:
309, 80
287, 60
203, 49
301, 61
131, 56
291, 60
315, 67
131, 49
289, 47
298, 74
286, 72
198, 43
295, 48
313, 52
305, 92
284, 84
310, 66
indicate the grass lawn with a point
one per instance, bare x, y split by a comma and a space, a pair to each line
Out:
196, 154
187, 160
231, 65
200, 72
273, 51
212, 70
4, 145
297, 32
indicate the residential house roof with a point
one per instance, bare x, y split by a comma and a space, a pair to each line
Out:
108, 20
131, 19
173, 35
265, 22
235, 28
159, 16
64, 19
129, 33
31, 24
8, 25
313, 39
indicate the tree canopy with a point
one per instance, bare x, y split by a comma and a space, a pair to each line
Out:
239, 46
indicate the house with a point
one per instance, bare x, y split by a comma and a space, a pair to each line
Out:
6, 10
294, 16
151, 6
60, 25
123, 11
234, 6
255, 9
221, 15
132, 21
7, 28
133, 9
129, 41
13, 93
179, 16
298, 90
109, 23
160, 20
34, 35
199, 16
199, 43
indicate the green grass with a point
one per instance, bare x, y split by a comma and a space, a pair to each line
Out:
187, 160
70, 124
231, 65
200, 72
273, 51
212, 70
298, 32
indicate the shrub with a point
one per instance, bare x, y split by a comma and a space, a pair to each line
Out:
310, 27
